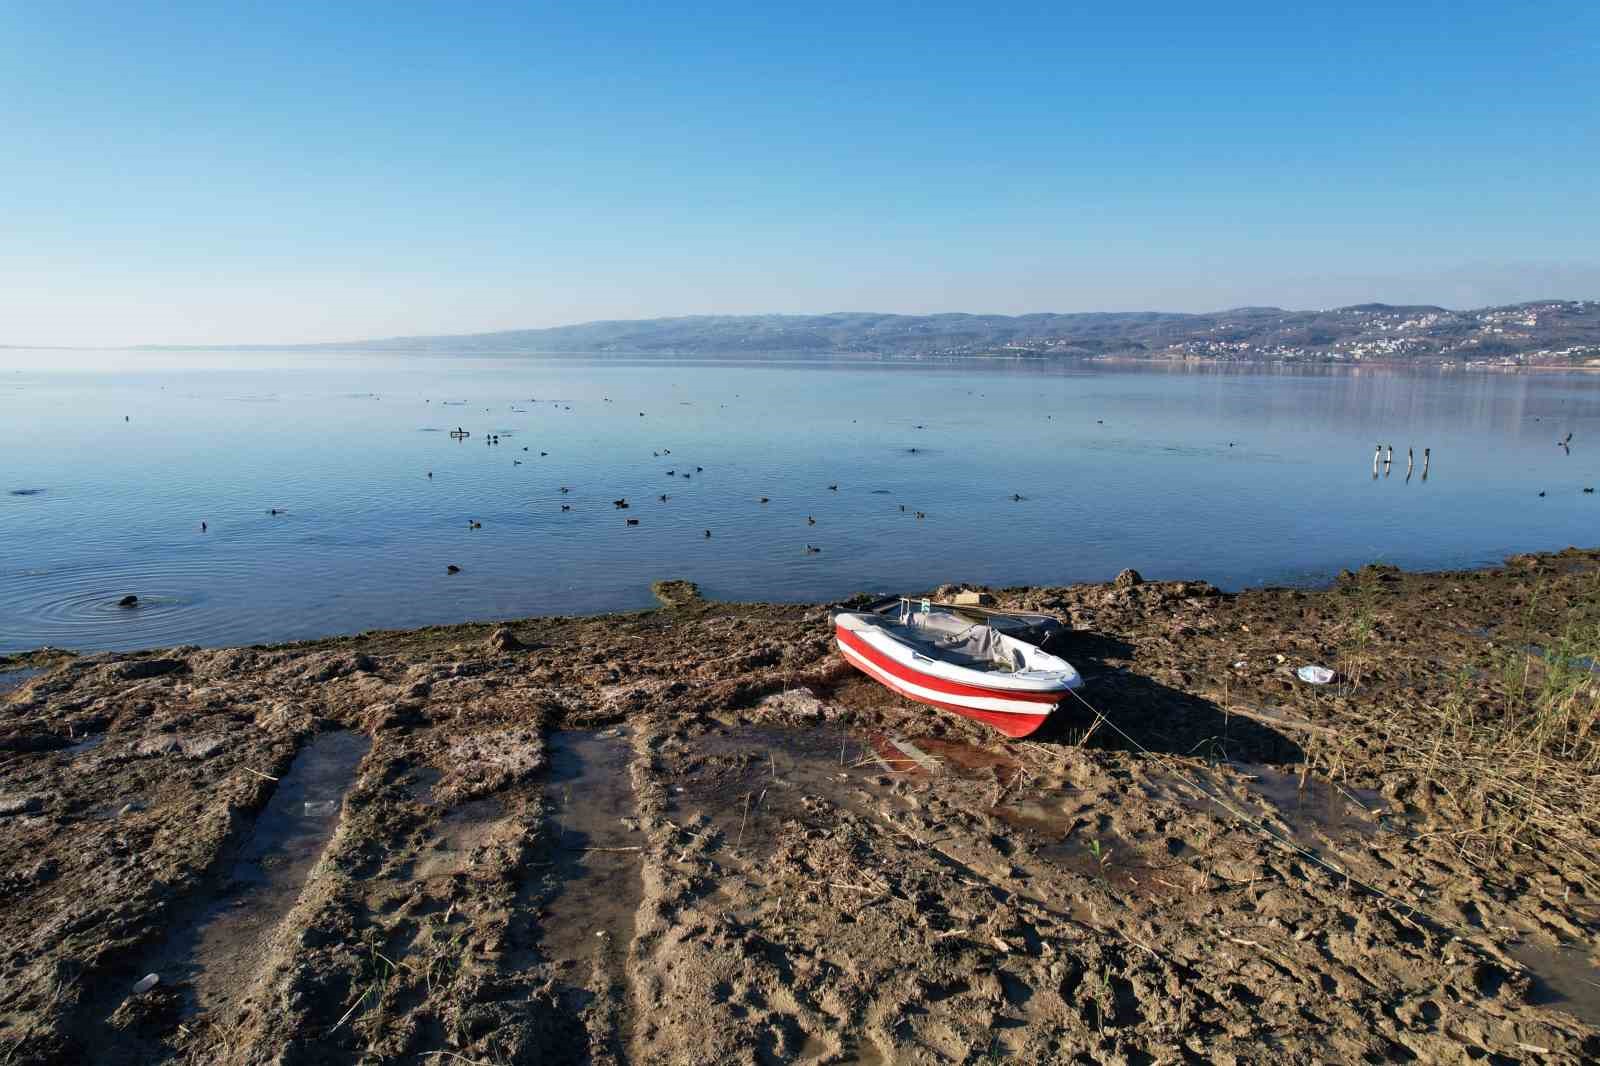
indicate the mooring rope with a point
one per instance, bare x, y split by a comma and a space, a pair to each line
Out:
1268, 831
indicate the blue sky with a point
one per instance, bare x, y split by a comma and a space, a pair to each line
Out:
284, 172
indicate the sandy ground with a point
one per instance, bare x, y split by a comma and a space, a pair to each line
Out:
693, 835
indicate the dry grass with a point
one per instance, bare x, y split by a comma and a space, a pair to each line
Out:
1509, 755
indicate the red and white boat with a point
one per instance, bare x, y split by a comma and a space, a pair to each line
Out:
959, 659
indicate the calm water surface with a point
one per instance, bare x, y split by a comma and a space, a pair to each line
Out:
111, 461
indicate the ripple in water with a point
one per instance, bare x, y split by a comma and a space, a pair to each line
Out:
77, 607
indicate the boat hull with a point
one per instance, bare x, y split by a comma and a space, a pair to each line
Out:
1014, 713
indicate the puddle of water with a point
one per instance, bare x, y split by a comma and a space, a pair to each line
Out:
590, 791
750, 780
778, 769
1038, 812
87, 744
14, 679
863, 1053
1312, 804
933, 755
460, 832
266, 879
1578, 663
420, 784
1563, 978
1086, 851
1041, 813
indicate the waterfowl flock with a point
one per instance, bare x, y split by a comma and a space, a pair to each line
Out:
1383, 459
1383, 455
1387, 460
621, 503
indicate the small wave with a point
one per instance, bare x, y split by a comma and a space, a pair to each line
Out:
77, 606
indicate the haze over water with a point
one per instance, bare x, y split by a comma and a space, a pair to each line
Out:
1120, 465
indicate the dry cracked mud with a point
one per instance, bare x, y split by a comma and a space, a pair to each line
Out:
693, 835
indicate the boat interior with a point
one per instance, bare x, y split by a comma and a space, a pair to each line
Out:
950, 637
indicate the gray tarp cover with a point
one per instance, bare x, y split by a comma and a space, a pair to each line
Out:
971, 641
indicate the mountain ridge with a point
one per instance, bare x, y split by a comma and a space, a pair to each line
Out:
1540, 331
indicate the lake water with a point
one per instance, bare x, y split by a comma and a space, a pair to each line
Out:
111, 461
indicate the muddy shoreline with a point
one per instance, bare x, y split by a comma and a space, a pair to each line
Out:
693, 835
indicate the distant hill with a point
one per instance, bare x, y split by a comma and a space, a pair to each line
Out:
1560, 332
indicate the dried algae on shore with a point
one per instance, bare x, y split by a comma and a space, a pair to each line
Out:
692, 835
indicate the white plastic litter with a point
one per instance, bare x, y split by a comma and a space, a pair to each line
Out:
146, 983
1315, 675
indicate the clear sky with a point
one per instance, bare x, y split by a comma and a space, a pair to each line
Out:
284, 172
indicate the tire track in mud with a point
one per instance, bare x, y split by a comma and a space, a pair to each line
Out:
587, 926
414, 946
217, 938
443, 909
466, 914
317, 977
